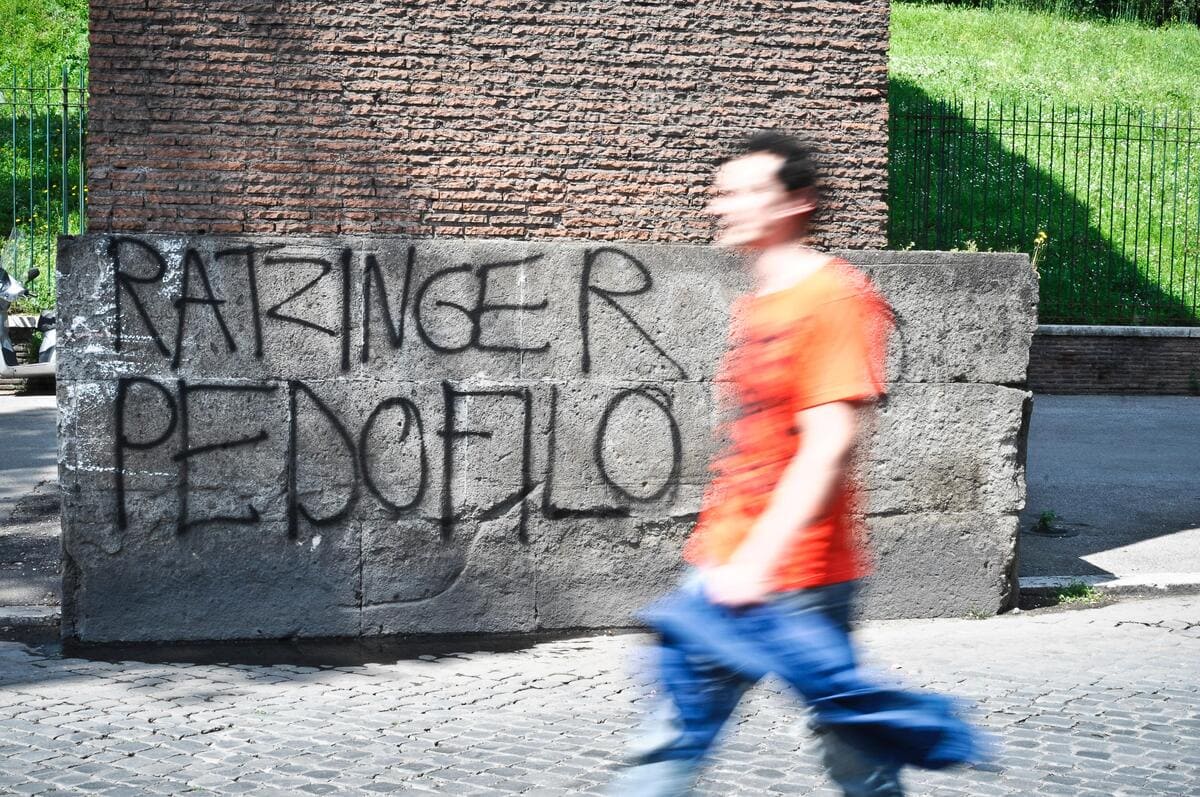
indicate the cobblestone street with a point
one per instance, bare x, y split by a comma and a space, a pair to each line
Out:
1100, 701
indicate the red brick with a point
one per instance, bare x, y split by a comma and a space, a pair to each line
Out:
474, 117
1120, 365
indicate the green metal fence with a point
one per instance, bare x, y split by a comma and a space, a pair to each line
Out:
44, 127
1114, 193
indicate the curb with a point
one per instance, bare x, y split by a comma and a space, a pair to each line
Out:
1144, 584
28, 617
31, 626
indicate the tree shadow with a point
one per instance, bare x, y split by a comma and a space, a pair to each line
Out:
1119, 480
963, 176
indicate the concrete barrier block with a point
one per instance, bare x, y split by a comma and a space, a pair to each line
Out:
599, 571
489, 584
940, 564
321, 436
947, 448
222, 581
961, 316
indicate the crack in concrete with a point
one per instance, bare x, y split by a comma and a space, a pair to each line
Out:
1170, 626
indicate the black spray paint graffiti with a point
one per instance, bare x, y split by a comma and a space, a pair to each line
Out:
124, 252
174, 400
450, 432
462, 298
588, 289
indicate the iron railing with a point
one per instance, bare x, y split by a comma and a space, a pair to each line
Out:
44, 128
1115, 193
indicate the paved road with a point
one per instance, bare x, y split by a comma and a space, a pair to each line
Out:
27, 440
1123, 476
29, 510
1096, 702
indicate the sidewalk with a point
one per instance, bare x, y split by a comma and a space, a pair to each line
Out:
27, 438
1092, 702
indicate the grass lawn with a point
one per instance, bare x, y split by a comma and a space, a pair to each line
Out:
1120, 202
1014, 55
39, 35
37, 39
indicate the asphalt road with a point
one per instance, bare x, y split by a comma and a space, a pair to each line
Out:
29, 507
1122, 476
28, 443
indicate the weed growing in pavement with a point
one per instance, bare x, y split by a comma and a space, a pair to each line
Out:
1045, 522
1078, 593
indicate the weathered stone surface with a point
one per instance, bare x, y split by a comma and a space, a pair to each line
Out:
488, 583
593, 571
960, 316
150, 583
947, 448
453, 307
938, 564
516, 436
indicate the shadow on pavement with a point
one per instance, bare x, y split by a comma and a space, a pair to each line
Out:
1117, 482
336, 652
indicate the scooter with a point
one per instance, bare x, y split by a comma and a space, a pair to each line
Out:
46, 365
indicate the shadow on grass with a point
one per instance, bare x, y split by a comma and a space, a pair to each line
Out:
965, 176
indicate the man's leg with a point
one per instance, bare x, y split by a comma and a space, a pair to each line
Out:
697, 698
856, 773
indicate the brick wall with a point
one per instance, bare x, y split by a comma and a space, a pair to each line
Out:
1115, 364
500, 118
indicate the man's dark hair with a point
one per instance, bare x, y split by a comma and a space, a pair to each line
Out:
799, 169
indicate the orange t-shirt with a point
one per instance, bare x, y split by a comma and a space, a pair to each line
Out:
821, 340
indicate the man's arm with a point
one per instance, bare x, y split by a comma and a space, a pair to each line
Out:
827, 434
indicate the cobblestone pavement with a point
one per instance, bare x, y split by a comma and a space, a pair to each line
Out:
1103, 701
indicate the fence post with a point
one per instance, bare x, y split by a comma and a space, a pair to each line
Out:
62, 149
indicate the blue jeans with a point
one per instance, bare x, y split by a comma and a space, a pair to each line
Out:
702, 693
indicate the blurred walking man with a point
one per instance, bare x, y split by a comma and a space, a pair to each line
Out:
775, 551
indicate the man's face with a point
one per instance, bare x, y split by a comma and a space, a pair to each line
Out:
752, 207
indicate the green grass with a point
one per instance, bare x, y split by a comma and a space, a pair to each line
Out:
1151, 12
1017, 55
40, 35
1077, 593
37, 39
1124, 243
34, 198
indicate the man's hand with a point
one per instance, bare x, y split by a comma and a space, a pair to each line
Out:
737, 584
827, 434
